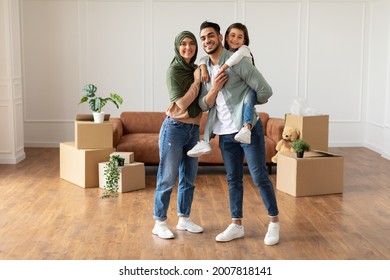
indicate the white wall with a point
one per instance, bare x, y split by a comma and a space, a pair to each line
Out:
377, 133
11, 95
335, 54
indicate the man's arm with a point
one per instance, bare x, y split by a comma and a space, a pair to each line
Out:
207, 98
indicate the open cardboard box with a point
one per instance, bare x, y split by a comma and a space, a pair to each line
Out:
131, 178
317, 173
313, 129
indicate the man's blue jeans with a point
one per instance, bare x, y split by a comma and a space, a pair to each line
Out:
176, 139
233, 154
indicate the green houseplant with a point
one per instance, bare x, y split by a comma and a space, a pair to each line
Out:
112, 175
96, 103
300, 147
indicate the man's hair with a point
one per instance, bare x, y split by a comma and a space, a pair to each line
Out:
207, 24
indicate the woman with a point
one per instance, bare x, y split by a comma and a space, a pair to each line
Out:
178, 134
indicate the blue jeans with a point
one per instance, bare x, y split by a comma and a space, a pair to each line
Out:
176, 139
249, 107
233, 154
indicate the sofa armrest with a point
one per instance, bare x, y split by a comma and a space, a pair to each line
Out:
117, 130
275, 128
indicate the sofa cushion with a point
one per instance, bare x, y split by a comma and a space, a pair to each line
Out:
144, 146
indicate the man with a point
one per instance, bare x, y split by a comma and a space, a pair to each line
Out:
223, 97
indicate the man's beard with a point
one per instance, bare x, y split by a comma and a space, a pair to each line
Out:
215, 49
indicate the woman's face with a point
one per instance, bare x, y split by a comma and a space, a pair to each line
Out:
235, 39
187, 49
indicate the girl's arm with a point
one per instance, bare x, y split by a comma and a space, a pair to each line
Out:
236, 57
204, 75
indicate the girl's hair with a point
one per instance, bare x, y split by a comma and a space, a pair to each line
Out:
243, 28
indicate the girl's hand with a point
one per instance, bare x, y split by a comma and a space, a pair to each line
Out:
223, 68
204, 77
204, 74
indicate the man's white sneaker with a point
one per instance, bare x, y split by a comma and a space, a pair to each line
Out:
243, 136
161, 230
202, 147
272, 236
189, 225
233, 231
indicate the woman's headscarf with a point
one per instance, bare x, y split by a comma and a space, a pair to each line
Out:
180, 74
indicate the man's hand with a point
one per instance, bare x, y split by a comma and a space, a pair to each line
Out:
219, 81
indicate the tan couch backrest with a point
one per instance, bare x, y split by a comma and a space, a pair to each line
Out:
142, 122
150, 122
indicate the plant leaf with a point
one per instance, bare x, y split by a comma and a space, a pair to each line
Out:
89, 90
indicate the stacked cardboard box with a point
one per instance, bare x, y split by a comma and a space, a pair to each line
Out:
132, 174
319, 172
79, 159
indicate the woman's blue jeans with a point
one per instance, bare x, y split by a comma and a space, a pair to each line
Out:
175, 140
233, 154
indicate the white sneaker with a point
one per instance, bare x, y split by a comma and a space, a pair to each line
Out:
243, 136
202, 147
272, 236
233, 231
189, 225
161, 230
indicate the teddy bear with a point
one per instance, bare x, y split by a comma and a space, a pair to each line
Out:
289, 135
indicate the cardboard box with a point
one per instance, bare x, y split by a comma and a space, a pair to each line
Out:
132, 177
313, 129
80, 166
128, 156
316, 173
91, 135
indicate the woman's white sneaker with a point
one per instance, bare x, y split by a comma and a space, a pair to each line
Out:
161, 230
272, 236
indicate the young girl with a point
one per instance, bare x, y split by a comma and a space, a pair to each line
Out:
237, 41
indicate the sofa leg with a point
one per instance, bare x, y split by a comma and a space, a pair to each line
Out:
269, 166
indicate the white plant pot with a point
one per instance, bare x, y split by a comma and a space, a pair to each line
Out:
98, 117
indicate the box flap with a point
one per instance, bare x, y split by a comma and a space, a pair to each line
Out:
312, 154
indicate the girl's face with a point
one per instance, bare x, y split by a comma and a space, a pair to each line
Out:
187, 49
235, 39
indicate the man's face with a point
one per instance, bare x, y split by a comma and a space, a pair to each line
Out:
210, 40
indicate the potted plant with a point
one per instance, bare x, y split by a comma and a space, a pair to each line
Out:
97, 103
112, 175
300, 147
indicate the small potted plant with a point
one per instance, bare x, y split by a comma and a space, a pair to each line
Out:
300, 147
97, 103
112, 175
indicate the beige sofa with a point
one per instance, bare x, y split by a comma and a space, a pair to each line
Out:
138, 132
